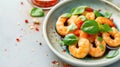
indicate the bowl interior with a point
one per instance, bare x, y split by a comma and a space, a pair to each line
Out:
52, 36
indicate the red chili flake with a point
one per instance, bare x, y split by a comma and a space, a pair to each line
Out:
66, 65
64, 50
26, 21
37, 29
21, 3
55, 62
17, 39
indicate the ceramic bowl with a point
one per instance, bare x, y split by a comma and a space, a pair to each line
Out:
52, 37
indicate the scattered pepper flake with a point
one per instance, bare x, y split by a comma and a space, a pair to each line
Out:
5, 50
66, 65
26, 21
37, 29
55, 62
21, 3
18, 39
40, 43
64, 51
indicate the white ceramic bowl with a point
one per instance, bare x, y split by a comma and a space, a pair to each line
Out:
52, 37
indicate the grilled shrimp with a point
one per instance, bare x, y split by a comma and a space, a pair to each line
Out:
81, 50
104, 20
60, 27
89, 15
99, 49
113, 42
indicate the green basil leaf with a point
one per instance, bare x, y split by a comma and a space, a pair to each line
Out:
97, 13
83, 18
101, 47
90, 27
100, 38
106, 28
70, 39
107, 14
72, 26
37, 12
112, 53
79, 10
66, 15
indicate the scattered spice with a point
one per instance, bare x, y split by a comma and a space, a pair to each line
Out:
64, 51
18, 39
21, 3
55, 62
40, 43
26, 21
31, 27
37, 29
66, 65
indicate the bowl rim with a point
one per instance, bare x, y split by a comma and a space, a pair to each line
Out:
104, 63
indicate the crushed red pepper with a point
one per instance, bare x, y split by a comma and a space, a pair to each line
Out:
55, 62
17, 39
26, 21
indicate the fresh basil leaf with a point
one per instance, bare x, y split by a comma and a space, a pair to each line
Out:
83, 18
72, 26
104, 27
66, 15
97, 13
112, 53
79, 10
101, 47
107, 14
90, 27
100, 38
37, 12
107, 28
70, 39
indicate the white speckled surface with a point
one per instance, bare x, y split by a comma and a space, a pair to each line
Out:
28, 52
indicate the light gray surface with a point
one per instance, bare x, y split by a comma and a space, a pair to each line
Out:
28, 52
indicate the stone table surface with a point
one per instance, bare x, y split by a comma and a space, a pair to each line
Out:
21, 43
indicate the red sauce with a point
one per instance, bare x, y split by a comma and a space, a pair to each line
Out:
44, 3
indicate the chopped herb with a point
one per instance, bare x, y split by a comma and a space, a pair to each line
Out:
100, 38
112, 53
97, 13
83, 18
78, 10
101, 47
107, 14
72, 27
66, 15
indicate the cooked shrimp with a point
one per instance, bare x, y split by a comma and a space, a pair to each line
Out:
60, 27
104, 20
113, 42
82, 50
89, 15
99, 49
72, 19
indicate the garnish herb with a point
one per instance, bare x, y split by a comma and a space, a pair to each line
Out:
37, 12
90, 27
66, 15
72, 27
78, 10
112, 53
70, 39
